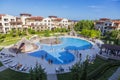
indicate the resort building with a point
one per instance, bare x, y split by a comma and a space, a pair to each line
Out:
105, 25
38, 23
5, 22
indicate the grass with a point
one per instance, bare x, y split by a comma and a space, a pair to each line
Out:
119, 78
12, 40
13, 75
98, 61
91, 67
1, 64
108, 73
6, 43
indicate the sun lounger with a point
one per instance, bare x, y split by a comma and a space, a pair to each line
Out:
2, 53
26, 68
18, 66
13, 65
8, 62
21, 68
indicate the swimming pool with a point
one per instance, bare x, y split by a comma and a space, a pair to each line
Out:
59, 53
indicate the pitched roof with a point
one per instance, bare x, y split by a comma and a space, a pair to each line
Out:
58, 19
1, 15
104, 19
36, 18
52, 16
25, 14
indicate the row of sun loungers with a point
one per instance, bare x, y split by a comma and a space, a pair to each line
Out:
19, 67
3, 55
6, 61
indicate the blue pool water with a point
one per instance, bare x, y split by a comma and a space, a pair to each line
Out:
59, 53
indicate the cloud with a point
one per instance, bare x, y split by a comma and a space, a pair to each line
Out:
93, 6
96, 8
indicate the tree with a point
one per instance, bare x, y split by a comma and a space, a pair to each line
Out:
84, 24
38, 73
46, 33
84, 72
90, 33
113, 36
2, 37
76, 71
13, 33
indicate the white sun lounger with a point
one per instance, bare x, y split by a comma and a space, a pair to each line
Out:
13, 65
21, 67
6, 60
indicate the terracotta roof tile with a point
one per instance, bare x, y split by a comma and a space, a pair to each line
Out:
52, 16
36, 18
58, 19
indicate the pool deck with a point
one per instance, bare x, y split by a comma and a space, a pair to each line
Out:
29, 61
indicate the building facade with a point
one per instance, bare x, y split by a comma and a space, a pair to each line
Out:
38, 23
105, 25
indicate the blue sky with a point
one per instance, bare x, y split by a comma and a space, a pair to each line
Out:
72, 9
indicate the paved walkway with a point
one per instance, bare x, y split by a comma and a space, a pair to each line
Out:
116, 75
51, 77
2, 68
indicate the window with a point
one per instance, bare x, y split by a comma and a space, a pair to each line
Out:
5, 19
12, 20
45, 20
110, 24
6, 24
105, 24
105, 27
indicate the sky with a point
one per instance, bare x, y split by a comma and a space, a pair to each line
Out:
71, 9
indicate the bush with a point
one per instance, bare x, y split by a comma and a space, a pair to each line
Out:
1, 40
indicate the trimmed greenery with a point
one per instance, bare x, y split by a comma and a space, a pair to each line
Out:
15, 35
119, 78
91, 67
13, 75
38, 73
1, 64
99, 69
108, 73
102, 69
9, 42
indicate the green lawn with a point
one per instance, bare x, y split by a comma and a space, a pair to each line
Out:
6, 43
119, 78
12, 75
91, 67
1, 64
11, 40
108, 73
98, 61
